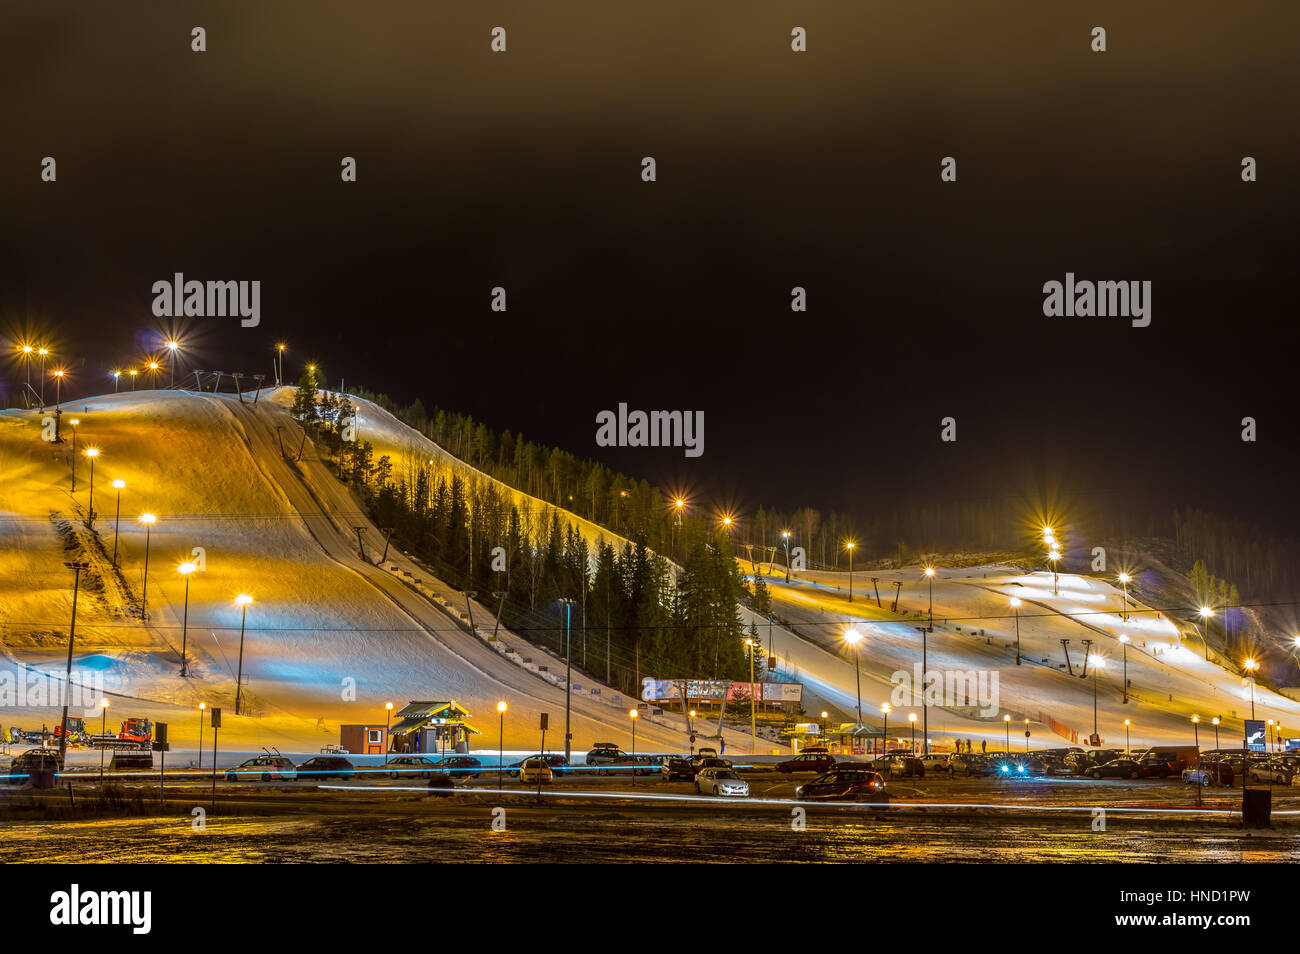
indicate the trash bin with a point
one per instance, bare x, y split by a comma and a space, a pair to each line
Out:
1256, 807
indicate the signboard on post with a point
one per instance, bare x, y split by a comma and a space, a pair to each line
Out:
1256, 740
215, 721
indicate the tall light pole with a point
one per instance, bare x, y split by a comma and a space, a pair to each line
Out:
632, 714
279, 370
1250, 666
1098, 664
925, 677
1026, 736
117, 377
92, 453
76, 567
242, 601
27, 360
911, 717
1129, 722
885, 709
103, 730
1015, 605
1124, 579
118, 485
785, 536
1006, 721
134, 373
501, 741
58, 387
853, 637
1206, 613
1054, 558
148, 519
202, 707
753, 729
568, 677
44, 353
74, 422
388, 729
153, 374
1216, 720
1124, 641
1196, 730
185, 569
849, 546
171, 347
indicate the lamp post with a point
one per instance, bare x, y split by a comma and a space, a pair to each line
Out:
501, 740
853, 637
103, 730
76, 567
74, 422
1026, 736
1250, 666
1124, 581
1015, 605
1205, 613
388, 730
925, 708
568, 674
202, 707
118, 485
279, 370
1098, 664
27, 360
1124, 641
785, 536
1054, 558
171, 347
1127, 723
44, 353
134, 373
92, 453
58, 387
1215, 721
153, 374
911, 718
849, 546
1006, 721
148, 519
185, 569
753, 729
632, 714
117, 377
1196, 730
242, 601
885, 709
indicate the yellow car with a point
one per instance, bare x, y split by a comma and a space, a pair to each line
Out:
534, 771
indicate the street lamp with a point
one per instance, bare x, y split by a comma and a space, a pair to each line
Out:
134, 372
92, 453
1026, 737
632, 714
753, 729
58, 387
1216, 720
153, 374
148, 519
1098, 664
1006, 721
568, 675
242, 601
1054, 557
27, 360
388, 729
885, 709
501, 740
1124, 579
103, 731
849, 546
1250, 666
44, 353
185, 569
911, 718
1015, 605
279, 371
1206, 613
202, 706
785, 536
1196, 730
1127, 723
1124, 641
853, 637
118, 485
117, 377
925, 666
172, 346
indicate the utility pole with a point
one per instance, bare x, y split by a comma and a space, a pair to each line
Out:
76, 568
568, 678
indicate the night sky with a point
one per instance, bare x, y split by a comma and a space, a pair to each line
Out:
775, 169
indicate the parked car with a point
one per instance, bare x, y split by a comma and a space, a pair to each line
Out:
968, 764
409, 766
675, 767
1177, 757
721, 781
603, 753
320, 767
1078, 763
710, 761
1208, 773
535, 772
263, 768
34, 763
459, 766
1017, 765
1117, 768
819, 762
1153, 766
558, 763
844, 783
1279, 773
934, 762
900, 766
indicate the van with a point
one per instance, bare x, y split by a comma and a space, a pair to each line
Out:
1177, 757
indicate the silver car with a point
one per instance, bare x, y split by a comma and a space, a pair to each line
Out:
721, 781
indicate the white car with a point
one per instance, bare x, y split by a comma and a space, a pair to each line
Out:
720, 781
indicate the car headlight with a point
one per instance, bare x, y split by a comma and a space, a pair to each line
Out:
1005, 769
1022, 768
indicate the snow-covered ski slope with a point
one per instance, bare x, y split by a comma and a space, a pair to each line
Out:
330, 637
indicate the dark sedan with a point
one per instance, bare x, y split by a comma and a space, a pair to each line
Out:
1117, 768
844, 784
819, 762
326, 766
460, 766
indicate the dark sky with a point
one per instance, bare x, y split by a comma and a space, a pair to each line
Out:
775, 169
